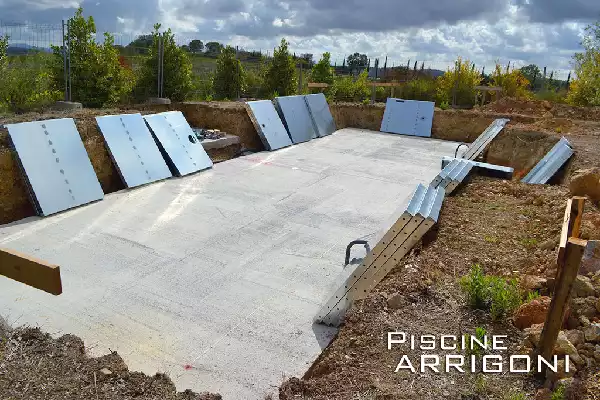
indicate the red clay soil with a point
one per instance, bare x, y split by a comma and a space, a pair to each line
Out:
35, 366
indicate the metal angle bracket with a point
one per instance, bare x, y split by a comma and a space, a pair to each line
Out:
529, 178
459, 177
477, 147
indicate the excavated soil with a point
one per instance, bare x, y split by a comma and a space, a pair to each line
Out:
509, 228
35, 366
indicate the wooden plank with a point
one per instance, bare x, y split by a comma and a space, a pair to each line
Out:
317, 85
564, 284
571, 226
30, 271
489, 88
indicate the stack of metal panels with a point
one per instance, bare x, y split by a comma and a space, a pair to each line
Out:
270, 129
320, 114
495, 171
178, 143
296, 118
55, 164
133, 149
453, 175
550, 164
420, 215
408, 117
483, 141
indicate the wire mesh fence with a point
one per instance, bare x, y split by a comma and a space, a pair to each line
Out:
32, 46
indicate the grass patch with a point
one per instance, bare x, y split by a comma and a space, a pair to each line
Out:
491, 239
528, 243
491, 293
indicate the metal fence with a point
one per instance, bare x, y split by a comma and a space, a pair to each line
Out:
29, 40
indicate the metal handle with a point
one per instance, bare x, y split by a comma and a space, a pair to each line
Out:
363, 242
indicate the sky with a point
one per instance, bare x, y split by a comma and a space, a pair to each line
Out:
544, 32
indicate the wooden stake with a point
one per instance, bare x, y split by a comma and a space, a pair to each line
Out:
571, 227
32, 272
573, 254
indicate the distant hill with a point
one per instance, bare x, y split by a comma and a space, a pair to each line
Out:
21, 49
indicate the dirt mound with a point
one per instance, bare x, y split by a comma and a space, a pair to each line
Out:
35, 366
545, 109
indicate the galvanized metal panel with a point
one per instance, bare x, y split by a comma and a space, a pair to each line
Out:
496, 171
268, 125
296, 118
550, 164
480, 144
459, 177
56, 165
133, 149
178, 143
320, 114
408, 117
336, 306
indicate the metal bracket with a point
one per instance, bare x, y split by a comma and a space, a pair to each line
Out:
456, 152
363, 242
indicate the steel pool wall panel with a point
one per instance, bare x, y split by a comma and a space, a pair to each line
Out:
133, 149
320, 114
296, 118
268, 124
408, 117
178, 143
56, 166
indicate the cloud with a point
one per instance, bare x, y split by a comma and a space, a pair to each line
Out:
546, 32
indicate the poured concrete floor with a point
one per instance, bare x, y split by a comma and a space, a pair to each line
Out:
215, 278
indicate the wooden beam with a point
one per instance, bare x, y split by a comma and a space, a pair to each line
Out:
32, 272
564, 284
571, 226
317, 85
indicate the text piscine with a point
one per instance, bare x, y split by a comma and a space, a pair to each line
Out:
490, 363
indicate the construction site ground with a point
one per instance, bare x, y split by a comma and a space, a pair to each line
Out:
510, 228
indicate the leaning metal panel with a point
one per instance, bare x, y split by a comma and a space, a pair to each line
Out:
444, 173
479, 145
492, 170
133, 149
178, 143
459, 177
338, 303
320, 114
55, 164
268, 124
561, 152
296, 118
408, 117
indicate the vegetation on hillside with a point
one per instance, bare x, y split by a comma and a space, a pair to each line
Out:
229, 77
280, 76
585, 89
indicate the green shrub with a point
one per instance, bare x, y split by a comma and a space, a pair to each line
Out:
27, 84
459, 81
423, 89
491, 293
322, 71
97, 77
177, 70
476, 349
444, 105
513, 83
585, 89
532, 296
229, 79
559, 393
280, 76
347, 88
3, 50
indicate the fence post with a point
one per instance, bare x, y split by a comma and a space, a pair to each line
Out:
64, 49
573, 255
300, 79
70, 88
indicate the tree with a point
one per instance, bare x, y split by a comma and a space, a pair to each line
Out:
307, 59
177, 69
3, 49
141, 44
281, 73
196, 46
458, 84
213, 49
357, 61
322, 71
531, 72
513, 83
585, 88
229, 75
97, 77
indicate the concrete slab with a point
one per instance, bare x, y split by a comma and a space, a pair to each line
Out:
215, 278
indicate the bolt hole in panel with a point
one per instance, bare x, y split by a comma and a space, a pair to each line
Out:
177, 141
296, 118
268, 124
133, 149
408, 117
320, 114
55, 164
